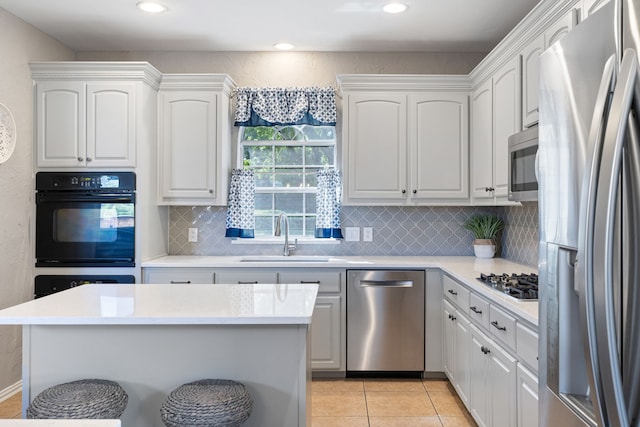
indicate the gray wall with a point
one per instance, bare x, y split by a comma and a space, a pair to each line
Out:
20, 44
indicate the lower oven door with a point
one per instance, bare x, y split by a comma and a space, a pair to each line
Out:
85, 229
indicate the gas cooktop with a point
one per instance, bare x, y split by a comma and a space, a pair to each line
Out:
518, 286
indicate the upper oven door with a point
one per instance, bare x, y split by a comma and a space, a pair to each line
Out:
85, 229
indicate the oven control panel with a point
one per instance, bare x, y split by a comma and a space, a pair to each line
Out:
52, 181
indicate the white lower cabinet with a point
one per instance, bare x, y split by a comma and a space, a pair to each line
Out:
246, 276
527, 384
493, 382
325, 333
456, 363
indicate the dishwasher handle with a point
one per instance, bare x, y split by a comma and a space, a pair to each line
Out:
387, 283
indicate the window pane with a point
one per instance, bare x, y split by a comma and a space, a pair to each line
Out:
264, 226
310, 203
291, 133
319, 132
310, 224
288, 178
289, 203
295, 226
264, 203
311, 179
264, 178
256, 156
286, 155
319, 156
261, 133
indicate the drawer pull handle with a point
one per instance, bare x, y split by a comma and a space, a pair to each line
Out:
497, 326
475, 309
252, 282
485, 350
304, 282
453, 317
181, 282
452, 292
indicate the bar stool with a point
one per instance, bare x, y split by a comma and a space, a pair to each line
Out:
82, 399
207, 403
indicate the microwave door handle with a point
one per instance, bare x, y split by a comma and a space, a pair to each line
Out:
584, 283
604, 239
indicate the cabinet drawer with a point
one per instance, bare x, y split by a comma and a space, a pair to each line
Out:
479, 310
177, 275
502, 326
527, 346
245, 276
456, 293
328, 281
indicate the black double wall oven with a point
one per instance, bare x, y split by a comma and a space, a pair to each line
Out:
84, 219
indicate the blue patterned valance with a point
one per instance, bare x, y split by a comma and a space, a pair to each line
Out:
285, 106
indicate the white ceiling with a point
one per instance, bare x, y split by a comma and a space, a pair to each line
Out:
255, 25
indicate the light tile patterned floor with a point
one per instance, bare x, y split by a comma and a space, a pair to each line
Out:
365, 403
387, 403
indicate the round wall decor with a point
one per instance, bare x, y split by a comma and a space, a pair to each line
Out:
7, 133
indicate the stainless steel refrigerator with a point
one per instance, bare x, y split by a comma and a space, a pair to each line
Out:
589, 204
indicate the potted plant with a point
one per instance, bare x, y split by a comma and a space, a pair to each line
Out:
485, 229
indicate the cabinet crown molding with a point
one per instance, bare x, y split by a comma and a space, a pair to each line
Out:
198, 81
402, 82
96, 70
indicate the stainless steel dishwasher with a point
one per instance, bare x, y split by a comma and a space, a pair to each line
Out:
385, 320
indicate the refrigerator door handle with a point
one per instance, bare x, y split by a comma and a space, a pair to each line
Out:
583, 273
615, 411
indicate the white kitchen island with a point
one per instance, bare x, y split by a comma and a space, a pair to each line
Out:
153, 338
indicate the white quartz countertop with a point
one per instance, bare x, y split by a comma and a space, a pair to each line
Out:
169, 304
59, 423
466, 269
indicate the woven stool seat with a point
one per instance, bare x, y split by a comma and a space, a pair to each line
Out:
90, 398
207, 403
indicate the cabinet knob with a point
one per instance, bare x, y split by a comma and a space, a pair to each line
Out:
404, 191
80, 159
415, 191
210, 191
89, 159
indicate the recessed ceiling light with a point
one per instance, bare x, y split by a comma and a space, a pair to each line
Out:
151, 7
395, 8
283, 46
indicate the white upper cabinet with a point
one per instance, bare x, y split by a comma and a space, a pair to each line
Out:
376, 147
195, 140
89, 114
561, 27
406, 140
531, 80
496, 115
590, 6
439, 145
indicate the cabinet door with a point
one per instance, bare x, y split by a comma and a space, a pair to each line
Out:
439, 146
502, 374
482, 141
111, 125
531, 81
376, 148
506, 121
449, 340
60, 124
560, 28
188, 145
590, 6
462, 372
527, 398
326, 339
478, 390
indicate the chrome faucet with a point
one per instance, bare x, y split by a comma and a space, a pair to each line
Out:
288, 248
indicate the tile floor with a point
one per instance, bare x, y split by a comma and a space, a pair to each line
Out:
365, 403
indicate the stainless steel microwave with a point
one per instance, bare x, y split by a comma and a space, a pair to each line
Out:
523, 154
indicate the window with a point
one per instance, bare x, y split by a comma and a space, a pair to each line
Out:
285, 160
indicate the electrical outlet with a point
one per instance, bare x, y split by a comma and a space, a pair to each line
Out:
193, 235
352, 234
367, 234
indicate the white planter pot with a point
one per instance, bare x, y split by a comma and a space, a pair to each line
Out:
484, 248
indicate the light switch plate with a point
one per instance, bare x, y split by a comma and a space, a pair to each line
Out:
352, 234
193, 235
367, 234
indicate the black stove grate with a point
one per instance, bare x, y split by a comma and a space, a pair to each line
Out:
518, 286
